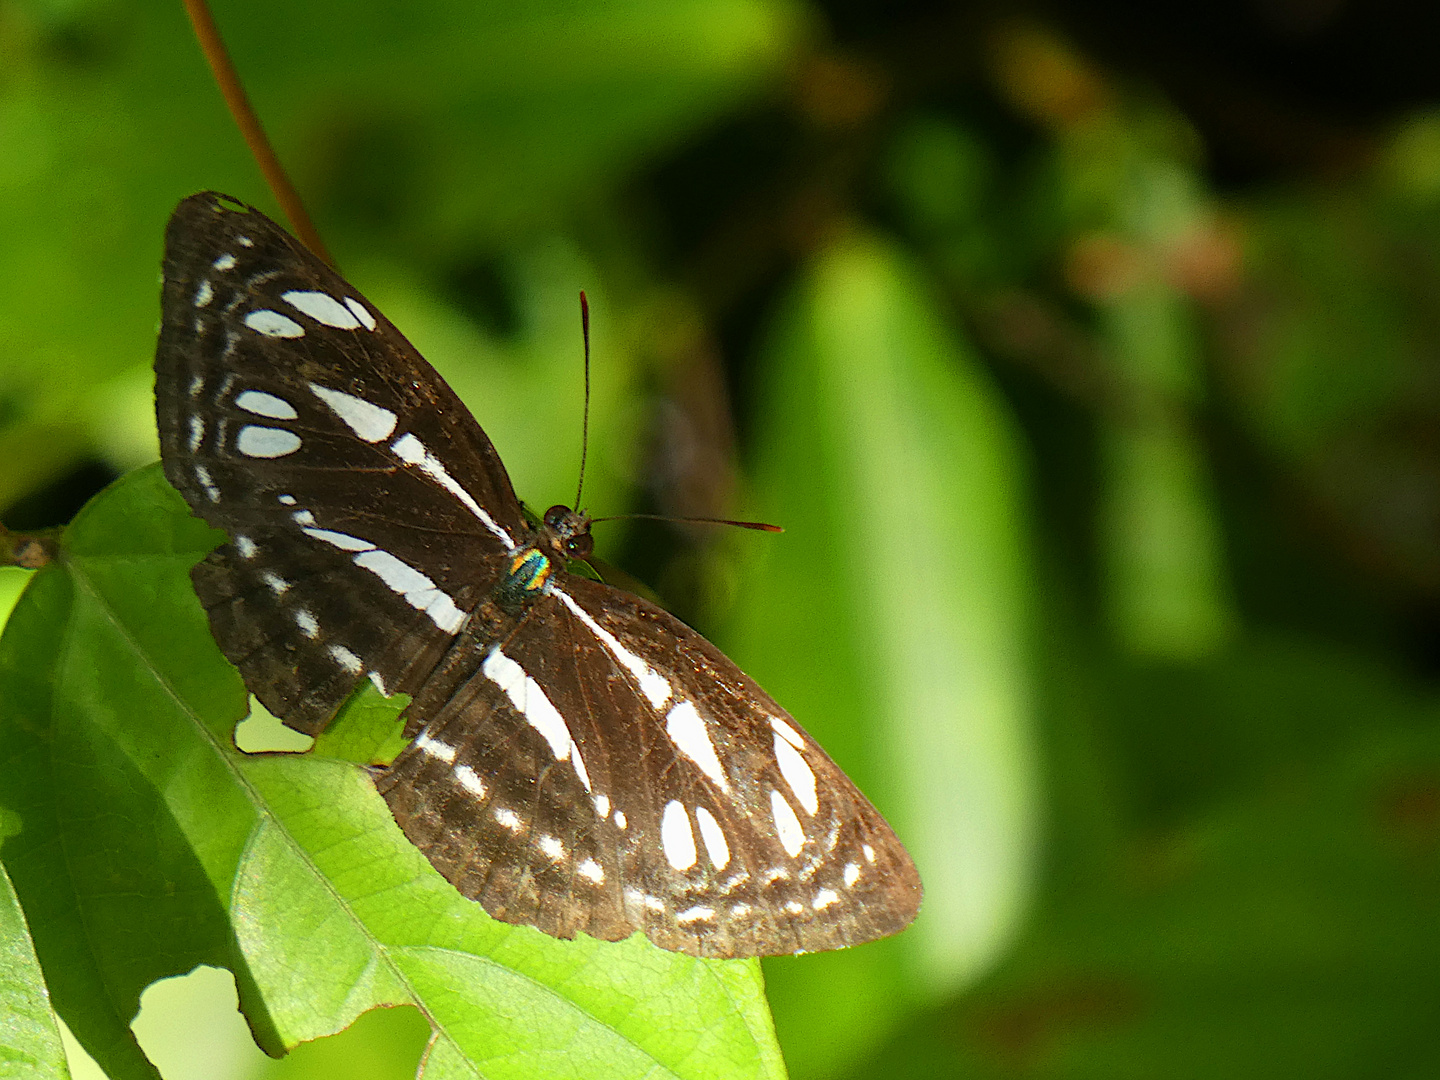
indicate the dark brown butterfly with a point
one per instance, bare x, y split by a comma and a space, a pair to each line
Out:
581, 761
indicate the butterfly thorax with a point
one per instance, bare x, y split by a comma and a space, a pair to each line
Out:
564, 534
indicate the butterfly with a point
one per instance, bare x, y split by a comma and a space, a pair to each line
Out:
579, 760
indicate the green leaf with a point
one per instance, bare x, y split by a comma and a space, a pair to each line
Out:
891, 618
29, 1037
13, 580
326, 910
368, 729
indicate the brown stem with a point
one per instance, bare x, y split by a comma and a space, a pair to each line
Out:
228, 80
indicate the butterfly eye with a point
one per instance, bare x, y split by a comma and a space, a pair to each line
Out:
556, 515
579, 546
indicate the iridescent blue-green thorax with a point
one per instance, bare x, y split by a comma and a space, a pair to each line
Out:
528, 577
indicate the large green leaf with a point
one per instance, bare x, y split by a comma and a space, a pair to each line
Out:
148, 843
892, 620
29, 1037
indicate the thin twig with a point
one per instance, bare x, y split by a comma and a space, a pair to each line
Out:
228, 80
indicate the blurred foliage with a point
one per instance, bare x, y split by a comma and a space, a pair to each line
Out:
1112, 495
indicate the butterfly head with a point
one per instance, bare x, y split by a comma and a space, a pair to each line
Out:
570, 530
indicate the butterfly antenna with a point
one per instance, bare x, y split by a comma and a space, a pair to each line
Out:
585, 424
759, 526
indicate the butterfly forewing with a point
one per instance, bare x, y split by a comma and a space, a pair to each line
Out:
581, 761
296, 418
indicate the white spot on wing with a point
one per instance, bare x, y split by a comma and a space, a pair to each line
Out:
653, 685
734, 881
306, 622
368, 421
343, 541
798, 775
698, 913
579, 763
869, 853
591, 871
197, 383
263, 404
620, 822
273, 324
689, 734
468, 779
286, 500
245, 546
602, 805
211, 491
432, 747
417, 589
530, 699
552, 847
824, 898
676, 837
277, 584
377, 682
204, 294
852, 874
788, 733
197, 433
360, 312
244, 241
787, 825
346, 659
303, 517
224, 262
508, 818
322, 307
409, 449
266, 442
714, 837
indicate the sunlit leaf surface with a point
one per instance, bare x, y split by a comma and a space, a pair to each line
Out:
29, 1037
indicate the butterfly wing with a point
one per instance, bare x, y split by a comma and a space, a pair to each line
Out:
608, 770
294, 416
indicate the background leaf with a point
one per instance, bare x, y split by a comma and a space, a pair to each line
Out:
896, 603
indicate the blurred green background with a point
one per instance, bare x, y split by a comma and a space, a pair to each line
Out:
1089, 354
